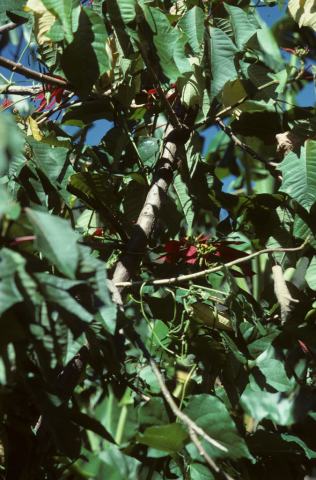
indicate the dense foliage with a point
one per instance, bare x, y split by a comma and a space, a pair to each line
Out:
81, 396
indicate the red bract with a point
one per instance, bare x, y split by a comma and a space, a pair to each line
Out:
170, 97
188, 250
5, 104
56, 95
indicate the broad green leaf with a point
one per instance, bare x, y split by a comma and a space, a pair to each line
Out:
193, 152
242, 28
153, 412
94, 271
291, 438
56, 240
273, 406
209, 413
168, 438
200, 472
259, 75
218, 61
275, 374
185, 200
133, 200
64, 10
310, 275
258, 342
192, 23
9, 292
52, 161
86, 59
299, 175
57, 291
166, 46
192, 85
93, 185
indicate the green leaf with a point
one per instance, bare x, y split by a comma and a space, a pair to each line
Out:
192, 23
153, 412
210, 413
310, 275
65, 10
291, 438
200, 472
218, 61
258, 342
275, 374
56, 240
185, 200
299, 175
168, 438
166, 46
86, 59
272, 406
56, 290
93, 185
242, 28
9, 293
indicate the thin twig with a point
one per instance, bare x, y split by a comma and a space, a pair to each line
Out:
242, 145
185, 278
194, 429
39, 77
11, 26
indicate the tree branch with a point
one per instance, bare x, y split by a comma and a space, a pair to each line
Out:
154, 203
185, 278
11, 26
242, 145
27, 90
39, 77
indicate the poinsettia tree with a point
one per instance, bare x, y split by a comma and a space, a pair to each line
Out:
157, 290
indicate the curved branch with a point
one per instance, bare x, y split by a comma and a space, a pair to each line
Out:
185, 278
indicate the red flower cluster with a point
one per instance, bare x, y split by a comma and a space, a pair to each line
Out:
188, 250
56, 95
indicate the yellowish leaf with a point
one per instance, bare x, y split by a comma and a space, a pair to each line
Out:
232, 93
206, 314
35, 131
303, 12
43, 20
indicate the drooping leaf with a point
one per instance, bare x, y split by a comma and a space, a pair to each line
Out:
56, 240
192, 23
299, 175
86, 59
168, 438
185, 200
211, 414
